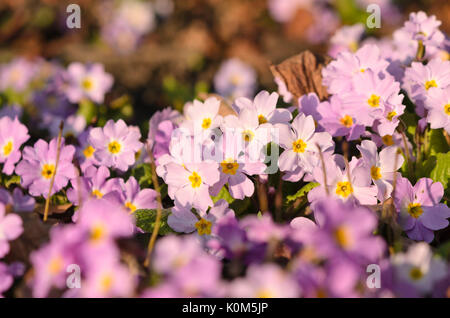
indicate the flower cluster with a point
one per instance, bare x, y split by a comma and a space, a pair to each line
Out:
251, 199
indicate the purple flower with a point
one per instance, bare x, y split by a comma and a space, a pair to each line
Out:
264, 281
17, 74
10, 229
94, 183
235, 79
115, 145
301, 144
183, 220
19, 201
438, 105
6, 278
358, 188
423, 28
265, 105
161, 126
381, 166
133, 198
345, 231
13, 135
104, 221
339, 120
346, 39
39, 165
420, 212
88, 81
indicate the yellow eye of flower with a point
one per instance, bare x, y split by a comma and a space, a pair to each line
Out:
203, 227
299, 146
415, 210
88, 151
374, 101
97, 232
130, 206
391, 115
106, 282
8, 148
55, 265
342, 237
248, 135
344, 189
114, 147
48, 170
195, 180
229, 166
415, 273
387, 140
97, 193
347, 121
262, 119
235, 80
375, 173
264, 293
429, 84
206, 123
447, 109
87, 84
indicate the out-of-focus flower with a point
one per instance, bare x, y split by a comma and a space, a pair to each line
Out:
420, 212
419, 268
276, 283
10, 229
17, 74
424, 28
346, 39
235, 79
133, 198
20, 202
87, 81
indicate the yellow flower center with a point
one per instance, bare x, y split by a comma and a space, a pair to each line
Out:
8, 148
87, 84
387, 140
203, 227
415, 273
97, 232
391, 115
344, 189
88, 151
248, 135
114, 147
430, 83
48, 170
264, 293
375, 173
97, 193
447, 109
262, 119
374, 101
299, 146
342, 237
235, 80
106, 282
195, 180
229, 166
415, 210
206, 123
130, 206
55, 265
347, 121
362, 70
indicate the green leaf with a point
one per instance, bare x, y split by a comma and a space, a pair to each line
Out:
223, 194
441, 171
145, 219
302, 192
143, 174
11, 180
87, 109
444, 250
437, 142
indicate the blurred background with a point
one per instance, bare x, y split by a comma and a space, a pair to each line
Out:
165, 52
